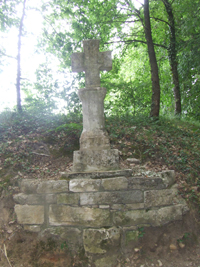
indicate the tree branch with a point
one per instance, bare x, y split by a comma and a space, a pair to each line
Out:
160, 20
4, 54
138, 41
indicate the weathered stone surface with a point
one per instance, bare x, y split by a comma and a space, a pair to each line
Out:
31, 199
169, 214
52, 186
154, 198
130, 239
95, 160
135, 206
118, 206
29, 214
67, 198
84, 185
133, 160
90, 217
96, 175
131, 236
51, 198
151, 217
104, 206
168, 177
118, 183
94, 135
71, 235
32, 228
29, 186
95, 153
103, 198
91, 61
101, 240
107, 260
134, 217
145, 183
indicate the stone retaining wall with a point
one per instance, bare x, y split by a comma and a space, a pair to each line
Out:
98, 208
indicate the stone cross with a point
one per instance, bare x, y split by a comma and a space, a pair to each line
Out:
95, 152
91, 61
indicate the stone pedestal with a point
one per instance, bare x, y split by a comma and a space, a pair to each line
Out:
94, 135
95, 153
95, 160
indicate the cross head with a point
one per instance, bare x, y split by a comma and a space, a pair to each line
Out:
91, 61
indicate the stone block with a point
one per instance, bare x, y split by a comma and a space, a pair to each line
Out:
133, 160
131, 236
29, 186
29, 214
84, 185
155, 198
130, 239
109, 198
104, 206
96, 175
32, 228
71, 235
135, 206
94, 140
31, 199
118, 207
95, 160
90, 217
51, 198
145, 183
134, 217
169, 214
168, 177
52, 186
100, 241
106, 260
118, 183
67, 198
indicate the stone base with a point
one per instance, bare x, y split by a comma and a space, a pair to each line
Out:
101, 212
95, 160
94, 140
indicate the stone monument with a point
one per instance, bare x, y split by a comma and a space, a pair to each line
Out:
97, 208
95, 153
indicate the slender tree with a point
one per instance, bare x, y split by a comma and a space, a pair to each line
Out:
155, 106
173, 56
19, 106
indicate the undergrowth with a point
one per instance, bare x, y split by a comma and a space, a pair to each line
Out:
168, 141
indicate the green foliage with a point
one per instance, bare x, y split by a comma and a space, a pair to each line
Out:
63, 245
119, 27
141, 232
129, 83
69, 128
8, 16
185, 237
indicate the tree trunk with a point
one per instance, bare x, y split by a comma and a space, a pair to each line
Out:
173, 57
155, 104
19, 106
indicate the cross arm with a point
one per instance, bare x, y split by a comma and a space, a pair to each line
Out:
105, 60
77, 61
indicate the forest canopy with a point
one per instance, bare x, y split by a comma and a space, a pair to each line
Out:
155, 50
